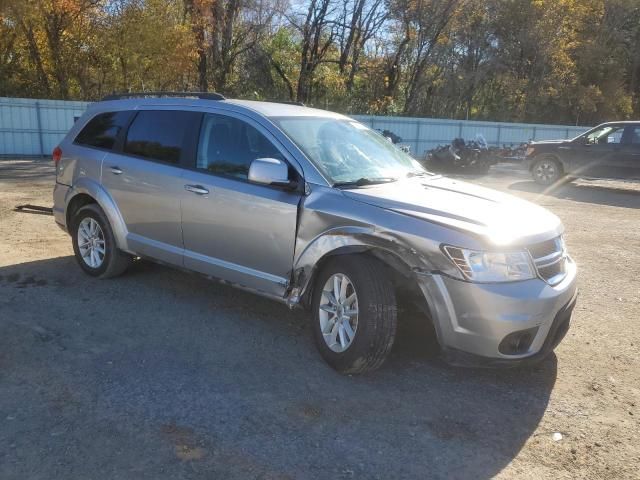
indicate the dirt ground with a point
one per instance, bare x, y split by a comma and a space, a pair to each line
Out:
163, 374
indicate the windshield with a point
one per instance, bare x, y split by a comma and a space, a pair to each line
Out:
348, 152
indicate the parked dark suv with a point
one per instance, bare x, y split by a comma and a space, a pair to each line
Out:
610, 150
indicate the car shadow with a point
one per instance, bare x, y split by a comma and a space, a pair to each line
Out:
161, 370
601, 194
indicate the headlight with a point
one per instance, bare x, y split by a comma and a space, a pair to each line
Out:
479, 266
529, 151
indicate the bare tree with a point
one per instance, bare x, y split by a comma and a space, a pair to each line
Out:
237, 26
365, 18
318, 34
195, 11
428, 22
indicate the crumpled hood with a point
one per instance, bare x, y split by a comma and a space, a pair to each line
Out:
500, 218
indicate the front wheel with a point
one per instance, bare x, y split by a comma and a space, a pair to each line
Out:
546, 171
355, 314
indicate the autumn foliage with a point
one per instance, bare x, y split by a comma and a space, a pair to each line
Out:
556, 61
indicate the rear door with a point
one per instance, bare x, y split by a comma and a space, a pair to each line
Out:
233, 229
145, 179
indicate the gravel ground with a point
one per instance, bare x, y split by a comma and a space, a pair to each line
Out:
163, 374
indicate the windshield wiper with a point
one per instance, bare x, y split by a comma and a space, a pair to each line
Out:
363, 181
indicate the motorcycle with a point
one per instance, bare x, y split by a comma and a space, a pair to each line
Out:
460, 156
395, 139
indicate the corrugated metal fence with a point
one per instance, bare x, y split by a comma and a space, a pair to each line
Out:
34, 127
422, 134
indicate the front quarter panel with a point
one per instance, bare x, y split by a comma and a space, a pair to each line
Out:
562, 151
330, 223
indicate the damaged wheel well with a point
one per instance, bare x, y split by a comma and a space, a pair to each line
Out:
408, 293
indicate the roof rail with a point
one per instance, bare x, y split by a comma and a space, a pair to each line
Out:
200, 95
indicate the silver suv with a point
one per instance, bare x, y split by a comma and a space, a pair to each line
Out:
315, 210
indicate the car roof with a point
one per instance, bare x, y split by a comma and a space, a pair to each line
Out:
621, 122
266, 109
276, 109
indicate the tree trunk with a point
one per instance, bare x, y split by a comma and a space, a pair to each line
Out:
54, 29
36, 58
197, 28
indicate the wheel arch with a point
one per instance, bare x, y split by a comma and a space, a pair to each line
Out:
400, 262
86, 192
76, 203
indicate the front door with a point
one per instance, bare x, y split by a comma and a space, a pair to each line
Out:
235, 230
145, 180
599, 153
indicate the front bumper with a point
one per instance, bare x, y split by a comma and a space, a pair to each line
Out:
472, 319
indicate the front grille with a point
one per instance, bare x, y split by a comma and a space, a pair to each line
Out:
545, 248
550, 259
552, 270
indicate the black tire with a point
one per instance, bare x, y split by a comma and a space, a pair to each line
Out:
115, 262
546, 170
377, 314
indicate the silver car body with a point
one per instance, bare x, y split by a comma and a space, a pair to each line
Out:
271, 241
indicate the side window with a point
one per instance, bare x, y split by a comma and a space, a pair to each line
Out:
606, 135
633, 135
158, 134
615, 136
102, 130
227, 146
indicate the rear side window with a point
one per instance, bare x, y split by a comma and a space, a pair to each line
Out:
633, 136
102, 130
159, 135
228, 145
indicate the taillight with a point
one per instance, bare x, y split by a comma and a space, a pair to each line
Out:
56, 155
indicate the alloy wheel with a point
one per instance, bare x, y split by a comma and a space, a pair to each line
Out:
91, 242
546, 171
338, 312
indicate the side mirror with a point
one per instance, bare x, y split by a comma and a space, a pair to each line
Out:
271, 171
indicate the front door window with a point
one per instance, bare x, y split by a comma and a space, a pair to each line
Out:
228, 145
605, 136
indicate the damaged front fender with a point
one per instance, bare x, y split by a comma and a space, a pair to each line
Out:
350, 240
324, 230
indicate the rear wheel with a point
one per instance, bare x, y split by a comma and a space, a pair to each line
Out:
355, 314
94, 244
546, 171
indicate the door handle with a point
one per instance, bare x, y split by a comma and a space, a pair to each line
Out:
197, 189
116, 170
